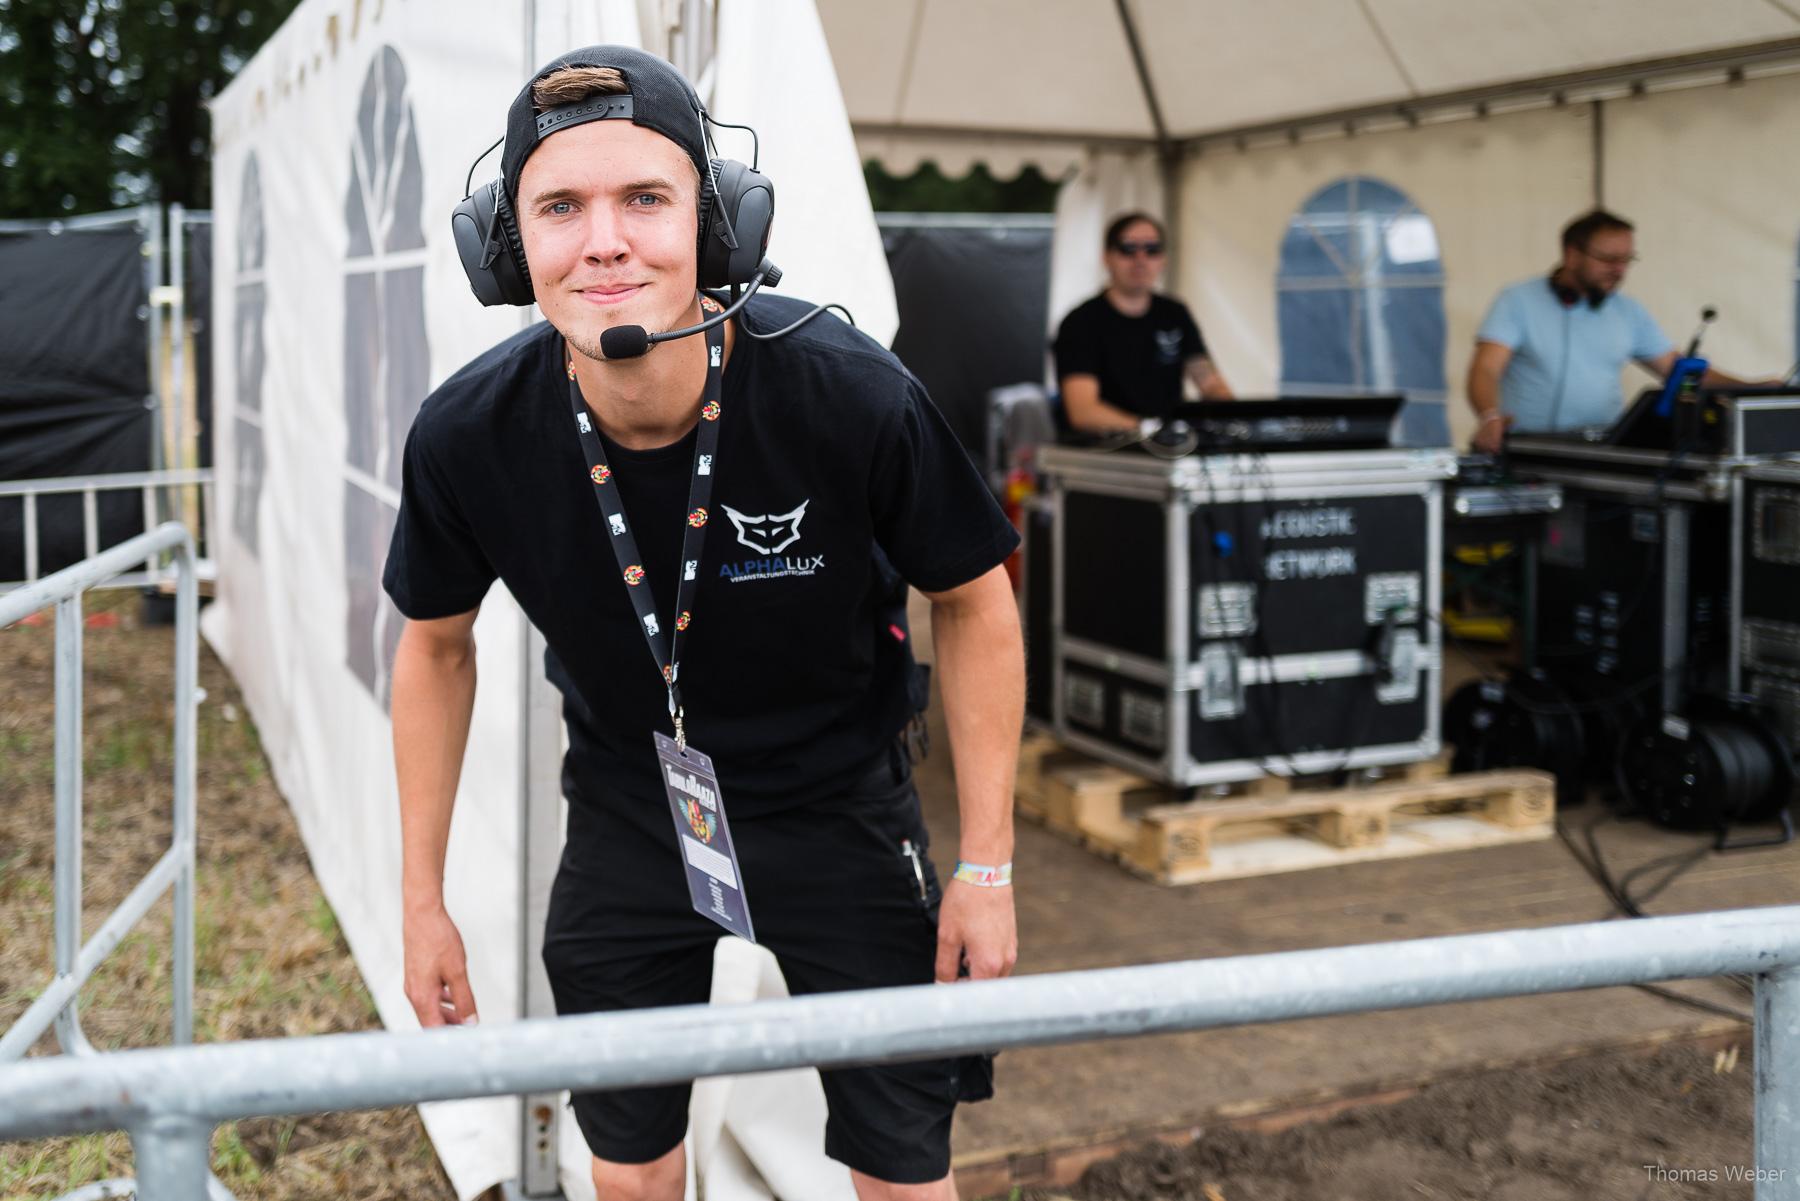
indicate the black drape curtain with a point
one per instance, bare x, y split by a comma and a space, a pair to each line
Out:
74, 382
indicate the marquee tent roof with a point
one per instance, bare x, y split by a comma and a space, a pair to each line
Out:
961, 80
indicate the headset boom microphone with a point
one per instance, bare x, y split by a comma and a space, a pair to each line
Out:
631, 341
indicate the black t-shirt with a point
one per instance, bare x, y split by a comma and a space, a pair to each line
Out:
835, 478
1138, 359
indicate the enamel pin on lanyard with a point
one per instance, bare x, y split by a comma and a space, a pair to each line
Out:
696, 803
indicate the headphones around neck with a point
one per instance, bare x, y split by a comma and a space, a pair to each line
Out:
1571, 297
737, 208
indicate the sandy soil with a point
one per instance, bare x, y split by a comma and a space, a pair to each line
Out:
1669, 1126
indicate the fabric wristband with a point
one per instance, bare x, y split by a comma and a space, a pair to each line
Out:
1491, 415
983, 876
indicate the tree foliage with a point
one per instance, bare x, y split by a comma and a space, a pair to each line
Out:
103, 102
929, 190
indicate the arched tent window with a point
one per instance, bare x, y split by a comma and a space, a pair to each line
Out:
247, 348
386, 355
1360, 302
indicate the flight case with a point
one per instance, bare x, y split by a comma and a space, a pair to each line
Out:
1220, 617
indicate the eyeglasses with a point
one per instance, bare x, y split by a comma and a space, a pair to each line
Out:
1612, 260
1133, 249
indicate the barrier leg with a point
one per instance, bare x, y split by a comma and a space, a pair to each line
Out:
67, 888
171, 1156
187, 702
1777, 1084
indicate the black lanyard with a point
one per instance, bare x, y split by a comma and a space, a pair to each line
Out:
666, 649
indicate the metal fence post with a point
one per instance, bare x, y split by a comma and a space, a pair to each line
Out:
171, 1155
150, 221
67, 885
187, 705
1777, 1084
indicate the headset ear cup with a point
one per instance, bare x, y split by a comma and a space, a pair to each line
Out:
488, 245
515, 282
735, 229
709, 208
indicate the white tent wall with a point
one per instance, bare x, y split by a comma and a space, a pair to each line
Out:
1711, 179
1497, 191
283, 617
1108, 183
357, 119
773, 70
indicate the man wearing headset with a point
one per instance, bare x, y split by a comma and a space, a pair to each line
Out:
1121, 356
1549, 354
571, 474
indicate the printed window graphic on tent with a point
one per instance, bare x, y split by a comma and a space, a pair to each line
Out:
1360, 302
248, 346
386, 356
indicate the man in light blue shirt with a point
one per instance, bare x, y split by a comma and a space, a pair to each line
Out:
1549, 354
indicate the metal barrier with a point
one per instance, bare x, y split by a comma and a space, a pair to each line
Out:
76, 961
169, 1100
153, 485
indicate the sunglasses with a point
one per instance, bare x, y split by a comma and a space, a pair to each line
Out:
1133, 249
1612, 260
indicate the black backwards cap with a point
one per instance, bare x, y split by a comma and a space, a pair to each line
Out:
657, 97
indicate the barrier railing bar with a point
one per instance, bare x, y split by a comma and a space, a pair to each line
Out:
175, 477
27, 599
602, 1051
89, 486
74, 961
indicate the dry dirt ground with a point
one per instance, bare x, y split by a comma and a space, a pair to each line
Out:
1667, 1127
270, 960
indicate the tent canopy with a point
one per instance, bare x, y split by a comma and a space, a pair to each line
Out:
939, 79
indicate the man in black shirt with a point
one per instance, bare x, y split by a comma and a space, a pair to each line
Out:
825, 476
1121, 357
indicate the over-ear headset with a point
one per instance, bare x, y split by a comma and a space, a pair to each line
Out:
1571, 297
737, 209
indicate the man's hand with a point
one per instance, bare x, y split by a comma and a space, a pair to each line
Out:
976, 924
437, 974
1490, 435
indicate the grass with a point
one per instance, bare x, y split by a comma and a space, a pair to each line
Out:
270, 959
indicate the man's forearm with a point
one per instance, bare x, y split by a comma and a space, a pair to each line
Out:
1097, 417
981, 666
433, 698
1484, 393
1714, 378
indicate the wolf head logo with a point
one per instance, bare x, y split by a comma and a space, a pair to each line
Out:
769, 534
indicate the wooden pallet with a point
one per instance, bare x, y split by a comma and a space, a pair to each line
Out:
1276, 825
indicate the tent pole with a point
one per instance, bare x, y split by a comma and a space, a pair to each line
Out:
1171, 169
540, 848
1599, 165
1167, 154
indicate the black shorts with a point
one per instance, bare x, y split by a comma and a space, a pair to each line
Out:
832, 895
